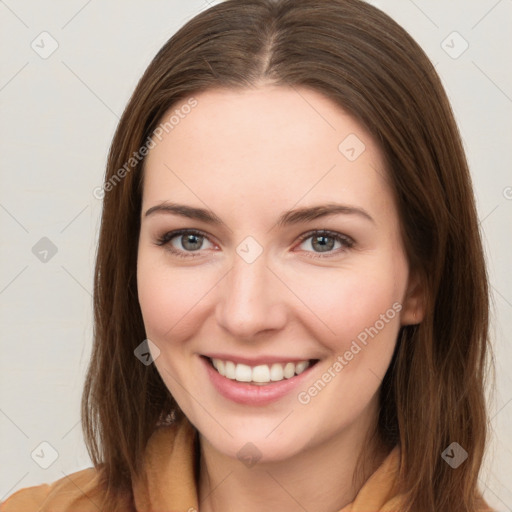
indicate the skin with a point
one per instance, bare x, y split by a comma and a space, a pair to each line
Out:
249, 155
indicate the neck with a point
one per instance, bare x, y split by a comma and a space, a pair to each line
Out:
320, 478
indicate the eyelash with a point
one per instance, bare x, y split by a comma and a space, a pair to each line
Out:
346, 241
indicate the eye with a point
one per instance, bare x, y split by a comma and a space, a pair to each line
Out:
183, 242
323, 241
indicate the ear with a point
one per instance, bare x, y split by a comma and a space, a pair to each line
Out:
413, 305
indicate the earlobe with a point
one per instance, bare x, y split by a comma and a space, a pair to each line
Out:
413, 310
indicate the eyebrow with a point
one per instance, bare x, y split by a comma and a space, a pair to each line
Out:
295, 216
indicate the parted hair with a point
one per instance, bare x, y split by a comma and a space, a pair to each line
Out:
434, 390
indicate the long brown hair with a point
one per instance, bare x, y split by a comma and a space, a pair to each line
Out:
433, 393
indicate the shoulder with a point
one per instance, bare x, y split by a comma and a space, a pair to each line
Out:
77, 492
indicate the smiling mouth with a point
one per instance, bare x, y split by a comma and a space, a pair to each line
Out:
261, 374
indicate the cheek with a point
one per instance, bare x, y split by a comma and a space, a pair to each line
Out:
361, 308
167, 297
349, 301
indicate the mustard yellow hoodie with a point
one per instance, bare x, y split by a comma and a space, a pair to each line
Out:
168, 483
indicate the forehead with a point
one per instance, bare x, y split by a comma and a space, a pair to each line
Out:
269, 144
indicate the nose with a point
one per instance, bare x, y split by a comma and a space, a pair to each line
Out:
251, 299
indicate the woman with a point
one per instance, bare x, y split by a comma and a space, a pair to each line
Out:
291, 304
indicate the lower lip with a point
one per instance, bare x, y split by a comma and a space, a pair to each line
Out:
253, 394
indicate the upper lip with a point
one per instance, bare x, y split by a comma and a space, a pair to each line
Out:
255, 361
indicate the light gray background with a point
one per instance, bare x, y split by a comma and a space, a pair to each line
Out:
58, 116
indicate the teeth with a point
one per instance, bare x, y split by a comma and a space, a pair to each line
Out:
261, 374
276, 372
300, 367
229, 369
289, 370
243, 373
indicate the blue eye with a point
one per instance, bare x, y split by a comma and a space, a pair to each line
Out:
323, 241
192, 240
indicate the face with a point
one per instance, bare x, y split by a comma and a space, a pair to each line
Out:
301, 305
